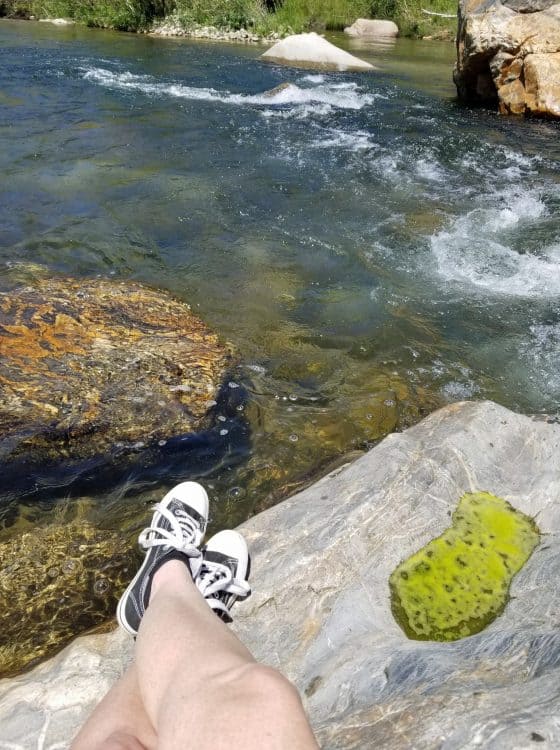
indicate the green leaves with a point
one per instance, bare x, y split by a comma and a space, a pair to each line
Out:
228, 14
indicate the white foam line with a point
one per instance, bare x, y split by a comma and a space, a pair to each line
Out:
342, 96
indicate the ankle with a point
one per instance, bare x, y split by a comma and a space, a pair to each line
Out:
173, 575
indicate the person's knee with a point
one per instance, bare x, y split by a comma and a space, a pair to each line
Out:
267, 685
121, 741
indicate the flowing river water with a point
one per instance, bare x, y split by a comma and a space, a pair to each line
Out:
371, 249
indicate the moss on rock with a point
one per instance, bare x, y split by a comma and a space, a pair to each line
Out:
458, 583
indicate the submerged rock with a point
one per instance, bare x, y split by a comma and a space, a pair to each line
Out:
57, 581
509, 53
366, 27
91, 364
313, 51
321, 604
271, 93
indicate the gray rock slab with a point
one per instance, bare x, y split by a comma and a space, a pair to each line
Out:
321, 612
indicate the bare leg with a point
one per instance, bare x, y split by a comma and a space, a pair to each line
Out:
199, 684
120, 721
196, 684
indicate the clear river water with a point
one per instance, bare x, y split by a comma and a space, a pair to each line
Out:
371, 248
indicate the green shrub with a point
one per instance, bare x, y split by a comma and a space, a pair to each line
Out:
410, 19
129, 15
228, 14
263, 16
16, 8
317, 15
118, 14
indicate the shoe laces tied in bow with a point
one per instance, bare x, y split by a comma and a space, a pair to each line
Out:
184, 535
213, 577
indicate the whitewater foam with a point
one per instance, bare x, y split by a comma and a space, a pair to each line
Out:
333, 95
358, 140
427, 168
473, 251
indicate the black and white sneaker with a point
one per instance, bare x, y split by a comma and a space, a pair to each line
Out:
223, 573
176, 532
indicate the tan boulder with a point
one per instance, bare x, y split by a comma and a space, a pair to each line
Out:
542, 84
507, 54
366, 27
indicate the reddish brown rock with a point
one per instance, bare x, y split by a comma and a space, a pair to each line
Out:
88, 364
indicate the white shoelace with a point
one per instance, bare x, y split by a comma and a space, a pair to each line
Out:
214, 577
182, 537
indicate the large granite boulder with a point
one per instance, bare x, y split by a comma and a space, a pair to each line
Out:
321, 608
313, 51
509, 53
93, 364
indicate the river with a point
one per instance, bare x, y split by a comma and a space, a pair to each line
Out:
371, 248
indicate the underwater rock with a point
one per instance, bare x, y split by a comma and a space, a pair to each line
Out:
56, 582
321, 605
312, 51
91, 364
271, 93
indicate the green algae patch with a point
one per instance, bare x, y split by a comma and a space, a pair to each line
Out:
458, 583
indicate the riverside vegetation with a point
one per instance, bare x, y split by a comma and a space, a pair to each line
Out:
262, 17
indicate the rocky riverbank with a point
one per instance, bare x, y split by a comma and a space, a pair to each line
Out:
321, 607
172, 27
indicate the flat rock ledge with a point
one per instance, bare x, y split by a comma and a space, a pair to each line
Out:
321, 612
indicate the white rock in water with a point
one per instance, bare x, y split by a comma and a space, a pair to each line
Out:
57, 21
373, 28
311, 50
